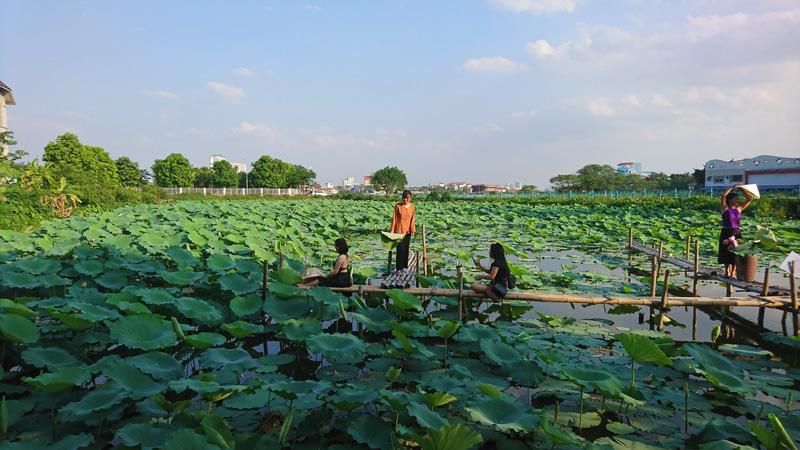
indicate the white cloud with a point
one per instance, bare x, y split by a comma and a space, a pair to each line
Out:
524, 114
601, 107
231, 93
494, 64
312, 8
535, 7
541, 49
162, 94
489, 128
244, 72
707, 26
258, 130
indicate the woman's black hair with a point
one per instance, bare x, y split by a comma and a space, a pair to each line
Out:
498, 254
730, 197
341, 246
406, 193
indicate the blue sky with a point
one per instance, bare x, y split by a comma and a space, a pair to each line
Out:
480, 90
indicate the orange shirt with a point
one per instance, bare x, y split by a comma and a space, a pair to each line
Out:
403, 220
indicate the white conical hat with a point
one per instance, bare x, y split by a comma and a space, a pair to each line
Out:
752, 189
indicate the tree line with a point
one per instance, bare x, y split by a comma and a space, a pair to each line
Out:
597, 177
176, 171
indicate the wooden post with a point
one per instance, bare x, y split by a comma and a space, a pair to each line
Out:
417, 261
653, 282
764, 293
424, 250
630, 238
460, 293
793, 287
688, 245
696, 266
389, 263
728, 290
694, 323
265, 282
664, 295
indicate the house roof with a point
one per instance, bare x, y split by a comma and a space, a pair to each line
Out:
5, 91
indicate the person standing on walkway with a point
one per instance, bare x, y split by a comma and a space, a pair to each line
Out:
403, 223
730, 232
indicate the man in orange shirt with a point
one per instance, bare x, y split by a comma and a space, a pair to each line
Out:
403, 222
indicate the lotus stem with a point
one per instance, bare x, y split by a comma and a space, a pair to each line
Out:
686, 407
789, 398
760, 413
555, 416
580, 413
781, 431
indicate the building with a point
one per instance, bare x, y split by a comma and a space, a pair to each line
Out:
629, 168
768, 172
6, 98
487, 188
367, 180
240, 167
349, 182
214, 159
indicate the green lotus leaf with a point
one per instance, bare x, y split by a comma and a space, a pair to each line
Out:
377, 320
557, 435
280, 359
18, 329
39, 266
60, 380
143, 435
300, 329
426, 417
155, 296
500, 353
159, 365
717, 369
371, 431
52, 358
237, 284
476, 333
89, 267
506, 414
97, 400
526, 373
325, 296
642, 349
282, 309
448, 329
183, 258
404, 301
12, 307
199, 386
73, 321
436, 399
240, 328
143, 332
248, 400
182, 278
341, 348
452, 437
234, 358
286, 276
284, 290
247, 305
217, 431
600, 379
129, 377
188, 440
112, 280
620, 428
199, 310
220, 263
20, 280
203, 341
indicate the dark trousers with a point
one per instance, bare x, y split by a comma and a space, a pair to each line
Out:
402, 253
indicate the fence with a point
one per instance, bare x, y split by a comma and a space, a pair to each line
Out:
617, 194
255, 192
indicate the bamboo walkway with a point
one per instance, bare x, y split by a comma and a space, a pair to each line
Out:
403, 279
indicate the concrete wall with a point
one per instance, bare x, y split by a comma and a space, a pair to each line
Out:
3, 123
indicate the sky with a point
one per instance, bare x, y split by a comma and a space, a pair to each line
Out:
485, 91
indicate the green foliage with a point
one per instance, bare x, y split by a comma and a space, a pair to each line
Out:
130, 175
270, 173
300, 176
79, 163
597, 177
224, 175
389, 179
173, 171
203, 177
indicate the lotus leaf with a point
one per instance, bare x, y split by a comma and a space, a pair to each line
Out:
20, 280
39, 266
60, 380
89, 267
245, 306
504, 413
143, 435
325, 296
112, 280
159, 365
286, 276
375, 319
426, 417
341, 348
52, 358
240, 329
220, 263
182, 278
500, 353
234, 358
237, 284
371, 431
183, 258
284, 309
96, 401
300, 329
642, 349
18, 329
143, 332
199, 310
205, 340
436, 399
600, 379
129, 377
448, 328
718, 370
217, 431
403, 301
186, 439
155, 296
452, 437
284, 290
557, 435
247, 400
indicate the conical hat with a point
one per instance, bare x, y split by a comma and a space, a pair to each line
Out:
752, 189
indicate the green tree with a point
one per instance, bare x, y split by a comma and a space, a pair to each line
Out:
80, 164
658, 181
699, 178
681, 181
389, 179
270, 173
173, 171
300, 176
225, 175
203, 177
130, 175
529, 188
565, 182
599, 177
7, 141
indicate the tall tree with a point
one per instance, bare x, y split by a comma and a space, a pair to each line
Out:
78, 163
225, 175
203, 177
300, 176
389, 179
129, 173
699, 178
173, 171
270, 173
565, 182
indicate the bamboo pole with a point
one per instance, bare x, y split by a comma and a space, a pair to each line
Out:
764, 293
664, 294
793, 287
460, 293
630, 237
653, 276
389, 263
688, 251
416, 278
545, 297
696, 266
265, 282
694, 323
424, 251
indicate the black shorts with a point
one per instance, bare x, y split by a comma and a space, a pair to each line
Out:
724, 256
341, 279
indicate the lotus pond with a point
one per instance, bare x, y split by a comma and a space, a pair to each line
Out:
148, 327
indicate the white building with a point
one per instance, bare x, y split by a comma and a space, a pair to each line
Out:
349, 182
216, 158
6, 98
240, 167
768, 172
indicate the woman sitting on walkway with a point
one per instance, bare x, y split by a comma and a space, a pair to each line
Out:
498, 274
340, 275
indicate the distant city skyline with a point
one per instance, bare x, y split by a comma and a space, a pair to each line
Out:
481, 90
